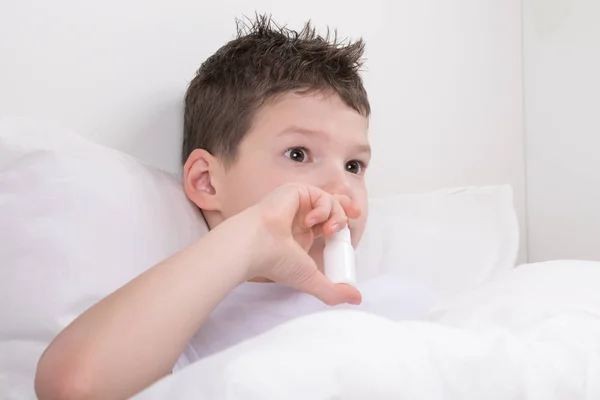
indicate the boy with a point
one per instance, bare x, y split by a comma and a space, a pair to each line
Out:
275, 150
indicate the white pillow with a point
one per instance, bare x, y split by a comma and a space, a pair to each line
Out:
78, 220
451, 239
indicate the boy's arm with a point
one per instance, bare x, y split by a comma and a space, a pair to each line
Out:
133, 337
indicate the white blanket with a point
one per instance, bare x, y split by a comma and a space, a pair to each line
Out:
531, 334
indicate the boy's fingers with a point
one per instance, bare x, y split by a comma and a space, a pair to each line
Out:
338, 218
333, 210
318, 231
321, 211
348, 205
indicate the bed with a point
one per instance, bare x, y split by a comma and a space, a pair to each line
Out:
533, 334
80, 219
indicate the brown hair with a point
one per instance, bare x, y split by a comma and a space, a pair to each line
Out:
265, 60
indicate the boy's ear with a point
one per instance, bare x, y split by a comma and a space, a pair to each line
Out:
197, 179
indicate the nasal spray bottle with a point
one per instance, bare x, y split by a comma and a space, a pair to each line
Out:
338, 258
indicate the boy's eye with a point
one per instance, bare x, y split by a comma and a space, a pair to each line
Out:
298, 154
355, 167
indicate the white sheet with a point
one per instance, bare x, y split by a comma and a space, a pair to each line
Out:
531, 334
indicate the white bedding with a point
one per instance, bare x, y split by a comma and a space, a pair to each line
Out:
533, 333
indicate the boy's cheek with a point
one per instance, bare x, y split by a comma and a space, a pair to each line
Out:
357, 227
362, 220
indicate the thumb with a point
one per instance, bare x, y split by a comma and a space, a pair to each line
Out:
316, 284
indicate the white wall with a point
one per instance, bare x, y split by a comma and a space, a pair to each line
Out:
562, 97
444, 77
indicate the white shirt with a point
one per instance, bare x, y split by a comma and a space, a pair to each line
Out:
254, 308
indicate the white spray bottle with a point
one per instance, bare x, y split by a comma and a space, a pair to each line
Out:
338, 258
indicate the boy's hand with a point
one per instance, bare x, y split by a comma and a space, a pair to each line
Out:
291, 218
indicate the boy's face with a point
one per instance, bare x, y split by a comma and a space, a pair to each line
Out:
312, 138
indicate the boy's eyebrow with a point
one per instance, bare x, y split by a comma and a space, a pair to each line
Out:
299, 129
359, 148
363, 148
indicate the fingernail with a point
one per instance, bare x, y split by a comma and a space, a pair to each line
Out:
335, 228
355, 302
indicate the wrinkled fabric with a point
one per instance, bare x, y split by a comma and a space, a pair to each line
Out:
532, 333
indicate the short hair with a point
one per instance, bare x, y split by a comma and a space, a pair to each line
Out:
264, 61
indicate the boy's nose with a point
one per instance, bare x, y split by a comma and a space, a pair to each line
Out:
337, 183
